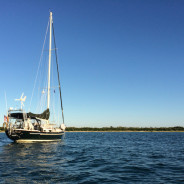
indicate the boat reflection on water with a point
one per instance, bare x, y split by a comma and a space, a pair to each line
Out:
22, 163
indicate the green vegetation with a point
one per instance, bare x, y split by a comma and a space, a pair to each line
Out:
132, 129
124, 129
1, 129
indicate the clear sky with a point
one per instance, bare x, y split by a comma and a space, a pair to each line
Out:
121, 62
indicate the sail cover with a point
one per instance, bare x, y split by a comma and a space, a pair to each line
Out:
45, 115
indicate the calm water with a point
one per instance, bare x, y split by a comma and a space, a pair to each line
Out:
95, 158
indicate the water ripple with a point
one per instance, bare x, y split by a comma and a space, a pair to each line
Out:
95, 158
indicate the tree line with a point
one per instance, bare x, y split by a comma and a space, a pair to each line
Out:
149, 129
1, 128
132, 129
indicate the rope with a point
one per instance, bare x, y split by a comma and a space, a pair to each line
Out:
58, 73
38, 66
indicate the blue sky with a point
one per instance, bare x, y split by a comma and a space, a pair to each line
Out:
121, 62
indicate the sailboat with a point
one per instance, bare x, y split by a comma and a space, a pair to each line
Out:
24, 126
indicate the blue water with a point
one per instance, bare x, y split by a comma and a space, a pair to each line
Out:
117, 157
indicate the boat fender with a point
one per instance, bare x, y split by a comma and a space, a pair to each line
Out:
63, 126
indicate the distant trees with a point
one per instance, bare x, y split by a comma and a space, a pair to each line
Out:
126, 129
132, 129
1, 128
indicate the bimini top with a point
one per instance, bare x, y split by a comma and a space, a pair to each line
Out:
20, 115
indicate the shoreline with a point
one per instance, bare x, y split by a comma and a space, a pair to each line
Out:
115, 131
124, 131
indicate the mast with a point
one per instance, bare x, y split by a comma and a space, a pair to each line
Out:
50, 44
